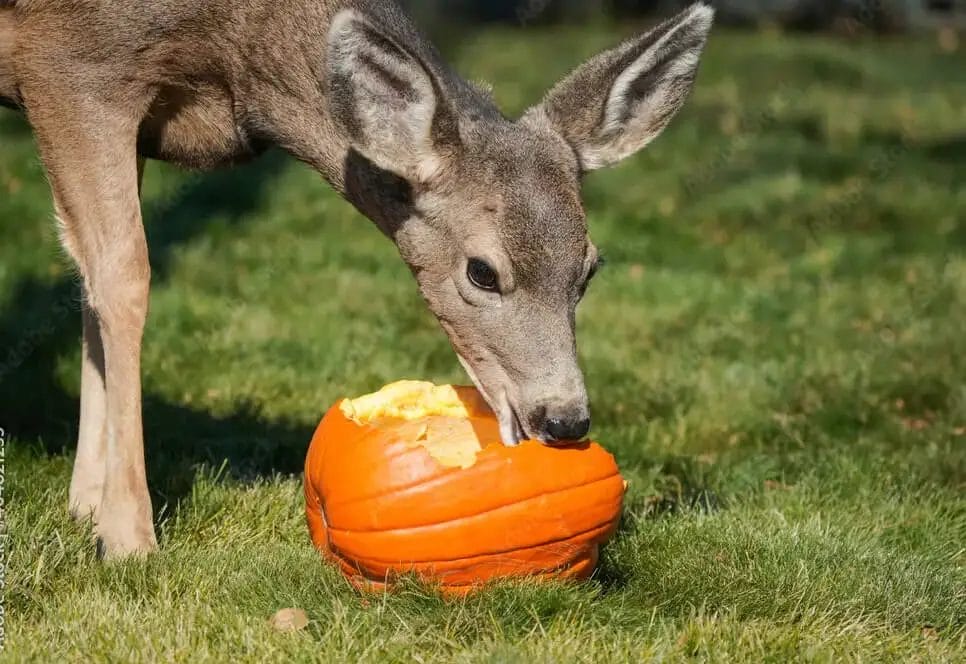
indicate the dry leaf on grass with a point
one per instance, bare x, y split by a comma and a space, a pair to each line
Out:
289, 620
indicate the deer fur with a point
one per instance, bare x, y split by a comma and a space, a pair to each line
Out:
484, 209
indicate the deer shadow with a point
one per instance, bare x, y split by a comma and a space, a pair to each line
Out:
40, 326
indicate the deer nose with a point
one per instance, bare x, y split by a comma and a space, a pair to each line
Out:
570, 429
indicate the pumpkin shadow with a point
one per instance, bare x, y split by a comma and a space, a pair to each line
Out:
610, 577
574, 445
681, 489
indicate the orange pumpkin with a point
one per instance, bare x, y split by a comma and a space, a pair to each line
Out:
414, 479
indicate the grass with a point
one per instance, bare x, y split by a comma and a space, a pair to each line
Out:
775, 354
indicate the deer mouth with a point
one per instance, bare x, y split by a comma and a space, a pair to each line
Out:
511, 428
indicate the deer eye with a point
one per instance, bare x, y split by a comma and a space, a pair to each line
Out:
482, 275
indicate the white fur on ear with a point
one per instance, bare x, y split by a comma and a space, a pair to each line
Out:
383, 98
620, 100
699, 17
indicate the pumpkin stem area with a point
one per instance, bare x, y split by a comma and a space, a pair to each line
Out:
451, 422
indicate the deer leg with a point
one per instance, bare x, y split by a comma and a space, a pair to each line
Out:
90, 157
90, 462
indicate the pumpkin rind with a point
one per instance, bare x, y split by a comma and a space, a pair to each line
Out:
379, 506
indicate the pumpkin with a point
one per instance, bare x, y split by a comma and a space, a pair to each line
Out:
413, 479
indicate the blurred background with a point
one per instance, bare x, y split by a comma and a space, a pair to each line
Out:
839, 15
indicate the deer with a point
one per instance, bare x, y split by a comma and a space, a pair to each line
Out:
485, 209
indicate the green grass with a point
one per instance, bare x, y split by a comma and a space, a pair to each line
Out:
775, 353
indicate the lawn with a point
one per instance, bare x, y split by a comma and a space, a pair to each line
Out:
775, 352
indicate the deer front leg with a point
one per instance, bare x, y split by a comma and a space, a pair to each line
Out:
90, 464
89, 154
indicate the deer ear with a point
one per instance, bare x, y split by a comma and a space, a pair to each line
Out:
619, 101
386, 100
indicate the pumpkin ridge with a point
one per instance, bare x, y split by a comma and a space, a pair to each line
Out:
404, 448
441, 476
577, 570
562, 540
555, 492
405, 487
474, 561
597, 525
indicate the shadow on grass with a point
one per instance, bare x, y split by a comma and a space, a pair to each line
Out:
41, 325
951, 151
13, 124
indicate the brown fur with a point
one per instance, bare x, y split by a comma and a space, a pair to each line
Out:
351, 88
8, 86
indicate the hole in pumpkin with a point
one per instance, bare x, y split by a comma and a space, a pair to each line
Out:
452, 423
413, 400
